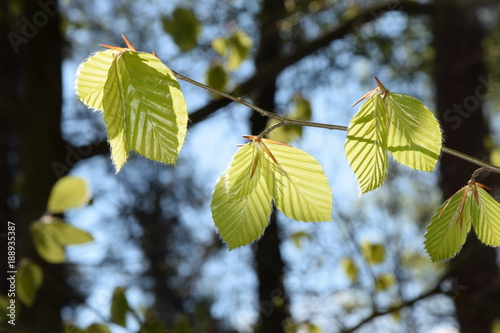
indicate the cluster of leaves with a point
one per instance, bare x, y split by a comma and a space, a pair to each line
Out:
144, 110
51, 235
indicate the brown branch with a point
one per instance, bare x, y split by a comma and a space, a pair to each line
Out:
274, 68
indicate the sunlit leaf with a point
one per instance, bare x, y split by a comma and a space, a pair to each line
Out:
119, 307
301, 188
184, 27
366, 144
486, 218
384, 281
259, 173
373, 253
68, 192
92, 74
241, 214
350, 268
144, 109
28, 281
414, 135
449, 226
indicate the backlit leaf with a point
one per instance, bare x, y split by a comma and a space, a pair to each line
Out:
486, 218
449, 226
28, 281
302, 191
241, 219
366, 144
97, 328
414, 134
217, 78
68, 192
144, 109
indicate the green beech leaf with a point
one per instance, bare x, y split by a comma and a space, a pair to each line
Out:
91, 77
144, 109
28, 281
301, 187
241, 215
259, 173
184, 27
366, 144
119, 307
415, 138
486, 218
449, 226
68, 192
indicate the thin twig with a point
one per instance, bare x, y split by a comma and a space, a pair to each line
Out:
283, 121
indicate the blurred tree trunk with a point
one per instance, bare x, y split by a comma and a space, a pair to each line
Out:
31, 108
270, 266
460, 87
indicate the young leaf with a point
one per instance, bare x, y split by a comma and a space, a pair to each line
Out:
301, 187
67, 193
91, 77
144, 109
216, 77
449, 226
241, 215
414, 137
119, 307
259, 173
366, 144
486, 218
29, 279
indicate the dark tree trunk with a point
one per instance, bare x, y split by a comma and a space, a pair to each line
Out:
31, 88
270, 266
461, 83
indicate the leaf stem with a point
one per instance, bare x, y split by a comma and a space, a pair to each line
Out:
283, 121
